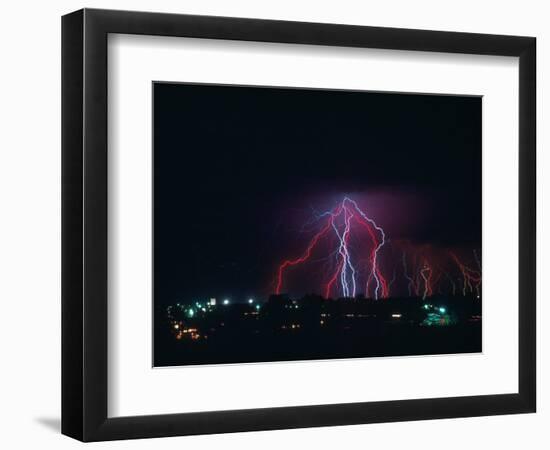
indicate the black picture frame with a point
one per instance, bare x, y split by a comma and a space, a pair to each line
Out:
84, 224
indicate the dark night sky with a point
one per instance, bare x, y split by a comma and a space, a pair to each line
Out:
238, 169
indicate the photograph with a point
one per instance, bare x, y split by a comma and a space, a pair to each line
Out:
256, 225
274, 225
294, 224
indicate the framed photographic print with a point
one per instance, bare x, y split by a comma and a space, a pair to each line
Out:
273, 224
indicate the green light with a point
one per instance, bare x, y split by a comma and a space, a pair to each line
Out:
442, 310
191, 313
426, 306
258, 307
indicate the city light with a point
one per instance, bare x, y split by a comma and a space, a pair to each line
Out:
188, 324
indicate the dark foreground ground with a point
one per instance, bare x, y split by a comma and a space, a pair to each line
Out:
242, 334
401, 341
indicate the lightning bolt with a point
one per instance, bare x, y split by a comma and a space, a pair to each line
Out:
381, 283
426, 274
410, 284
344, 253
305, 256
345, 269
470, 277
